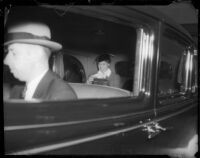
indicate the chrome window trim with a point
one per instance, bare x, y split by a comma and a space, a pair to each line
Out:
143, 62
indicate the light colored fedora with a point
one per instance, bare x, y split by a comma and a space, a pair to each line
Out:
32, 33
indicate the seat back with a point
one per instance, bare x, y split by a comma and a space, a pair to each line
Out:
97, 91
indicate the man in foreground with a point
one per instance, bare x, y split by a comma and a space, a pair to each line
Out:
29, 48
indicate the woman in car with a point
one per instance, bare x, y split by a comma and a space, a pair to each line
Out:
103, 75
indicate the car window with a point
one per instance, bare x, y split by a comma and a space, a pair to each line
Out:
172, 77
86, 37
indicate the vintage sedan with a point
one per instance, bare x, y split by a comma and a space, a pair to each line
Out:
151, 108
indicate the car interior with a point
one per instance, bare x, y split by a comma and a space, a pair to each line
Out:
83, 39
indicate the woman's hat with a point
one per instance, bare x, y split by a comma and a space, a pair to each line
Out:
103, 57
32, 33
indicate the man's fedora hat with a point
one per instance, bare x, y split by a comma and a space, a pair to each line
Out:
31, 33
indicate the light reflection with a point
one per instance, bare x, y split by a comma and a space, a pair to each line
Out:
147, 93
143, 90
187, 67
187, 152
150, 60
146, 58
191, 62
151, 47
141, 60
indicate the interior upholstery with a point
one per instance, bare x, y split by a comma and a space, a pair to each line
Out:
97, 91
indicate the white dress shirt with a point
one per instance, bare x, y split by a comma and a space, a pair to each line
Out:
102, 75
31, 86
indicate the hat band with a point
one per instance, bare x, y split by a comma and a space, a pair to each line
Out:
24, 35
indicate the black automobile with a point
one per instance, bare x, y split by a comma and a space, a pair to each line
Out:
150, 109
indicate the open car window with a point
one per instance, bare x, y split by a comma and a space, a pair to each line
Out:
84, 37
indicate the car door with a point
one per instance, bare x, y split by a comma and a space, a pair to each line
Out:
176, 104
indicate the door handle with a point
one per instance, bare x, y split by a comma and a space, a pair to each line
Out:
152, 128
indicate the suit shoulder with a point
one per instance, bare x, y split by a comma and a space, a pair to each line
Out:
62, 89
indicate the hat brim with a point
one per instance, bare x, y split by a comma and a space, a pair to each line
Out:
54, 46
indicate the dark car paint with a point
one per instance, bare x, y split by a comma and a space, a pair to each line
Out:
76, 116
45, 124
136, 142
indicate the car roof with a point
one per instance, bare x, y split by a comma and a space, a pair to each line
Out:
123, 11
155, 13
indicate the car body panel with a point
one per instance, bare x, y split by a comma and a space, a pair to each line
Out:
44, 125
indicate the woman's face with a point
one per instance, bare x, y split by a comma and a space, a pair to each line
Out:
103, 66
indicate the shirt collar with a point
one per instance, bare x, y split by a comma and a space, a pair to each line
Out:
37, 79
31, 86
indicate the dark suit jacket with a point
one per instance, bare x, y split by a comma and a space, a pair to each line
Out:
51, 87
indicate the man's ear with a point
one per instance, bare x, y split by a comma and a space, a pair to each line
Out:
34, 53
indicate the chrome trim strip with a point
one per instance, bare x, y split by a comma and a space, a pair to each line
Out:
87, 139
165, 108
22, 127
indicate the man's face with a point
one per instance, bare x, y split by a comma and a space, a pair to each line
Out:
18, 61
103, 66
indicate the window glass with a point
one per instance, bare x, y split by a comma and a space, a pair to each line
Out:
84, 38
195, 73
172, 61
73, 69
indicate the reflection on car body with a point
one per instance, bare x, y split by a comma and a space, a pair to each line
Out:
154, 68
